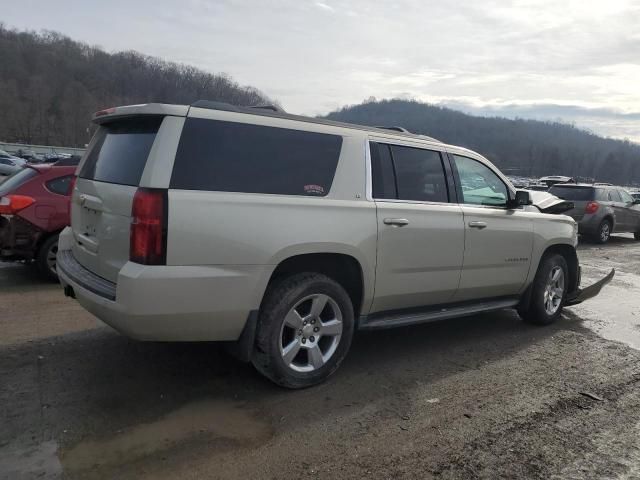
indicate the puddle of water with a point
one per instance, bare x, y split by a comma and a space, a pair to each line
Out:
615, 313
219, 420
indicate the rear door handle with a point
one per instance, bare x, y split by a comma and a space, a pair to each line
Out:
479, 225
396, 222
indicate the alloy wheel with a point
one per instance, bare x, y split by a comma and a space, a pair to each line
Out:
310, 333
554, 290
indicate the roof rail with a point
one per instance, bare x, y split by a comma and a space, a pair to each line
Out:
394, 128
227, 107
273, 108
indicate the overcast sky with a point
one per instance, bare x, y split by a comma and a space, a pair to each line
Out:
576, 60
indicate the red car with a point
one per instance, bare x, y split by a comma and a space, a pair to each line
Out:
34, 208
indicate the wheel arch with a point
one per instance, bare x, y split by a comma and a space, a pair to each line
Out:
341, 267
568, 252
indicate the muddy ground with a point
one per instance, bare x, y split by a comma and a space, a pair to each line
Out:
479, 397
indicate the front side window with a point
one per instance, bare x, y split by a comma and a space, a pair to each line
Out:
479, 184
626, 198
614, 196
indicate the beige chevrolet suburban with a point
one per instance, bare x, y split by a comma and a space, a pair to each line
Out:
283, 235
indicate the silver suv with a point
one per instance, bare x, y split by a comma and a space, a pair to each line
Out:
283, 235
601, 210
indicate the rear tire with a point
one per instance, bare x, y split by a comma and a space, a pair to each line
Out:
291, 349
548, 291
46, 258
604, 232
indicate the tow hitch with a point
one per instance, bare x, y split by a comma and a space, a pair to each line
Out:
582, 294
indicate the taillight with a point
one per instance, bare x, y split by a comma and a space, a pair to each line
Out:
12, 204
592, 207
148, 240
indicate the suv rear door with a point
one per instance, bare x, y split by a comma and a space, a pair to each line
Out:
420, 233
108, 178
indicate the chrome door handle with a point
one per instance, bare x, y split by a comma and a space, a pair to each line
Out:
479, 225
396, 222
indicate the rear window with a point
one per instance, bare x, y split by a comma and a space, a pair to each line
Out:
120, 150
237, 157
572, 193
16, 180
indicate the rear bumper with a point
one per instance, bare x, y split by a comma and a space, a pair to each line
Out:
165, 303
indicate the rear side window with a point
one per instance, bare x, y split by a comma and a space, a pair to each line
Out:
602, 195
572, 193
120, 150
61, 185
407, 173
419, 174
237, 157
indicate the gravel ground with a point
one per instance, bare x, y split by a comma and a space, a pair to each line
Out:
479, 397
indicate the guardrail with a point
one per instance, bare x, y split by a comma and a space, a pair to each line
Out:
40, 149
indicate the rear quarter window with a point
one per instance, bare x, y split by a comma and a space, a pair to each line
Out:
573, 193
236, 157
120, 150
60, 185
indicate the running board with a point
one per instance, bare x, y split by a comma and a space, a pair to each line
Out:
399, 319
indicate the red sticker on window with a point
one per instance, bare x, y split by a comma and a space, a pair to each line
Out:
314, 189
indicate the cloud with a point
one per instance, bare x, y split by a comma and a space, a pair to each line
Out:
324, 6
317, 55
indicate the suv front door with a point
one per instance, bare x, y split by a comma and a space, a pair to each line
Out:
498, 241
420, 233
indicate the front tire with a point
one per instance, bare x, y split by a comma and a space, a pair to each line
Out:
305, 327
548, 291
636, 235
46, 258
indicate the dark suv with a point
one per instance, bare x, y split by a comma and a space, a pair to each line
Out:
601, 210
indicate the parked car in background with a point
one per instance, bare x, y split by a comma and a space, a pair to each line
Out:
601, 210
30, 156
635, 195
9, 165
34, 208
554, 179
282, 234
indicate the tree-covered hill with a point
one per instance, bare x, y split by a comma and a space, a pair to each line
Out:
50, 85
524, 147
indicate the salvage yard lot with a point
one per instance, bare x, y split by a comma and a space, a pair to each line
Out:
478, 397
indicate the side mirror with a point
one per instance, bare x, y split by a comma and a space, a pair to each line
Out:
522, 198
